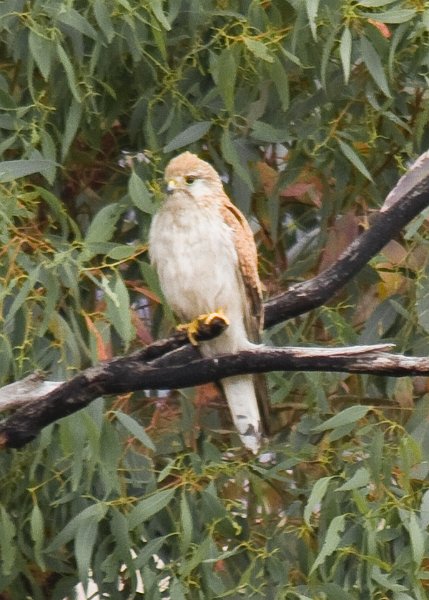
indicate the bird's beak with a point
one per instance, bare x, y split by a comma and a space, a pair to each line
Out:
171, 186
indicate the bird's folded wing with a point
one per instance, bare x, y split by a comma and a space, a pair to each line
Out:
248, 265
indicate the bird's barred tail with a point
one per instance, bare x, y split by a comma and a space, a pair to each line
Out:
243, 405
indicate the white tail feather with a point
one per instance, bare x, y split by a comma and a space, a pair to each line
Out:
242, 402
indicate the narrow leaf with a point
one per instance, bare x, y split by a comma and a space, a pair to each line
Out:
346, 416
351, 155
395, 15
417, 540
346, 52
224, 72
71, 17
374, 65
94, 512
135, 429
424, 510
103, 224
280, 79
312, 7
332, 539
316, 497
186, 522
191, 134
7, 547
156, 6
41, 50
68, 68
149, 506
258, 49
14, 169
360, 479
103, 19
72, 123
118, 309
230, 155
83, 547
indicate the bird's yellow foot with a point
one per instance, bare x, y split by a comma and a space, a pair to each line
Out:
195, 327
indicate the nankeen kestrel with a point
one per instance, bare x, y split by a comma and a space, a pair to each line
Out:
204, 252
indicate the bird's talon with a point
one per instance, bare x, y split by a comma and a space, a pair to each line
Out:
194, 328
210, 317
191, 330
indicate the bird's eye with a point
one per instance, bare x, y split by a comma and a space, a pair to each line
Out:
190, 179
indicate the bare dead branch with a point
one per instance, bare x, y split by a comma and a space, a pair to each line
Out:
134, 373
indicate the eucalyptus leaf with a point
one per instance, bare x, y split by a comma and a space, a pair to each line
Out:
352, 414
191, 134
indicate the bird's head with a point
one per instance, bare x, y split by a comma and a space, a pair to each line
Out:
188, 173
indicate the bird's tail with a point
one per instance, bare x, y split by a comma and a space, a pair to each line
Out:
243, 404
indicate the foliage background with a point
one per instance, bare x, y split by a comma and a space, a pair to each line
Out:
312, 110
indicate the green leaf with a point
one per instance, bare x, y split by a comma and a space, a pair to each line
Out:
346, 416
69, 16
191, 134
351, 155
385, 581
176, 591
21, 297
317, 493
312, 7
422, 301
373, 63
7, 545
135, 429
267, 133
417, 539
156, 6
41, 49
94, 512
73, 119
14, 169
186, 523
103, 224
224, 72
149, 549
140, 195
395, 15
230, 155
37, 534
374, 3
121, 252
280, 79
49, 153
258, 49
346, 52
103, 19
331, 542
424, 510
149, 506
360, 479
70, 74
84, 543
118, 308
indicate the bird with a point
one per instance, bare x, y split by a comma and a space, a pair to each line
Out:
204, 252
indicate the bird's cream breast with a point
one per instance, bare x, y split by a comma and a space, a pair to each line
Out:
194, 254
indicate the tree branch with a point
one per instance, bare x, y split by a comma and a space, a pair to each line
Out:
133, 373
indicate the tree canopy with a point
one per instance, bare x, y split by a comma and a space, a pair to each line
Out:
311, 111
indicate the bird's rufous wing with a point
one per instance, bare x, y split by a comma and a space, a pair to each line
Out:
248, 265
254, 316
